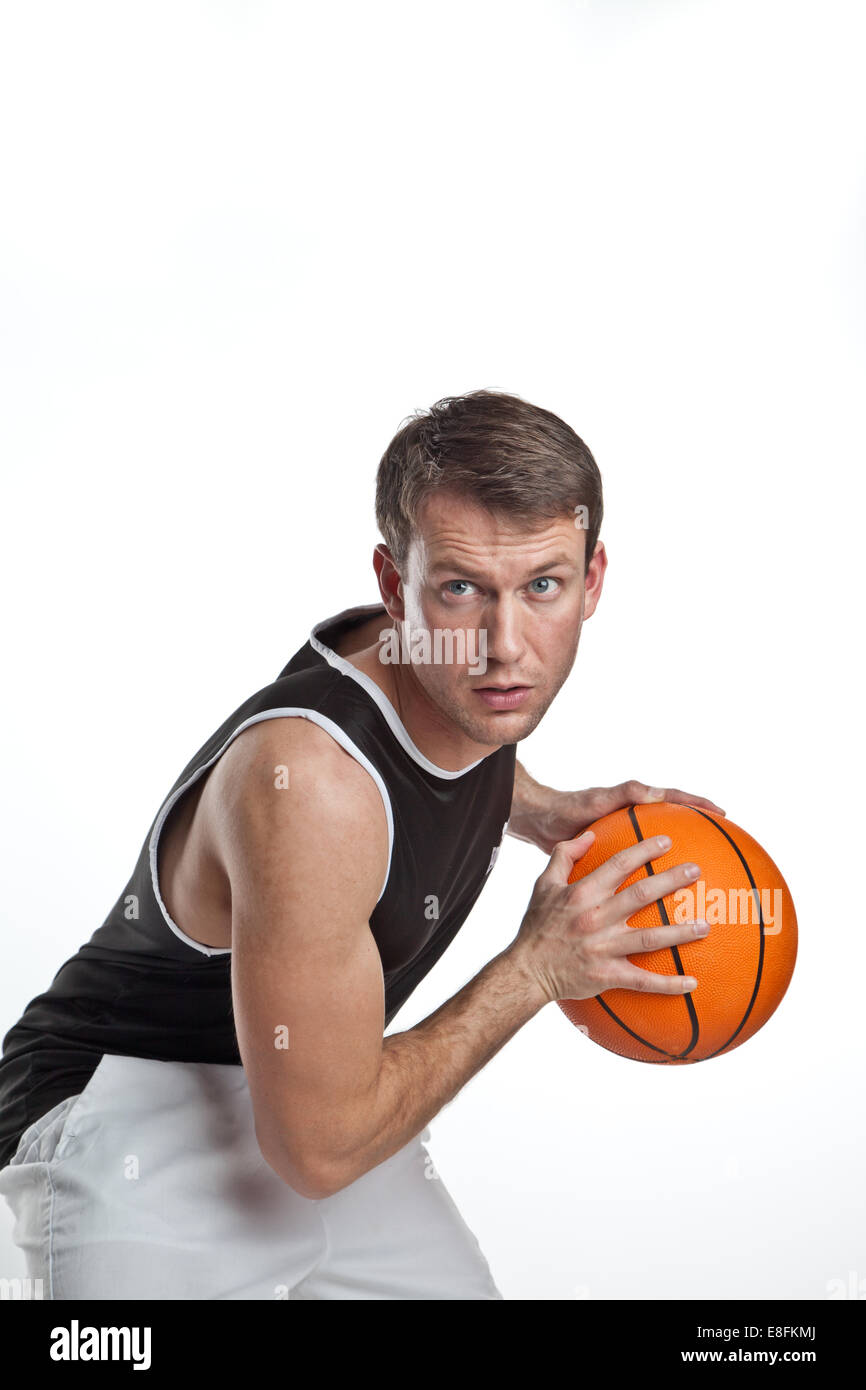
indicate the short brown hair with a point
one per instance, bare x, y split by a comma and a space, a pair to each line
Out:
495, 449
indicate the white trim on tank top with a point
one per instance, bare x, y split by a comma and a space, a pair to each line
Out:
395, 723
302, 713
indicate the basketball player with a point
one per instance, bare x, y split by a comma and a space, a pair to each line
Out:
202, 1105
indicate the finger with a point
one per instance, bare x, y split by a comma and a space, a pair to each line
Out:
648, 982
616, 869
634, 939
566, 854
648, 890
688, 799
603, 800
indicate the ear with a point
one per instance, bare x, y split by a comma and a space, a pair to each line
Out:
594, 579
390, 583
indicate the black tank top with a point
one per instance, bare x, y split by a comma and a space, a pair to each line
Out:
140, 987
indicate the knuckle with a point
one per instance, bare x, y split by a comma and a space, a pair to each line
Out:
619, 861
646, 938
644, 890
587, 918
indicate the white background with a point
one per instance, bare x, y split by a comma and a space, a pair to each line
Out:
239, 244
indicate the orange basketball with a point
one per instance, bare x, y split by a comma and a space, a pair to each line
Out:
742, 967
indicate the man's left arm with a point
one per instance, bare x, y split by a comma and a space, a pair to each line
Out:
544, 816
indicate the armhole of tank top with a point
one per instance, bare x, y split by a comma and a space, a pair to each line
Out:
315, 717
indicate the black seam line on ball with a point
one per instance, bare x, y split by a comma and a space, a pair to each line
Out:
689, 1002
759, 972
637, 1037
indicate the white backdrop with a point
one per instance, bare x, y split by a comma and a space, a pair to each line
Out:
240, 242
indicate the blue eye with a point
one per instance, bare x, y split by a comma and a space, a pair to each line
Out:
452, 586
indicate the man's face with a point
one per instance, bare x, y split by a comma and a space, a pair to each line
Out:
519, 592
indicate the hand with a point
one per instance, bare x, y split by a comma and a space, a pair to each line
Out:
546, 817
574, 940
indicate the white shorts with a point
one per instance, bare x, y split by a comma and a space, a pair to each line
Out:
151, 1184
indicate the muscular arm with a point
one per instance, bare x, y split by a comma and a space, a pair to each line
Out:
306, 865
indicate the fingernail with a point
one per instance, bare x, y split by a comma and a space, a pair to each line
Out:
701, 928
655, 794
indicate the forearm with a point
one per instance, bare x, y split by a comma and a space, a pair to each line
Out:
530, 804
423, 1069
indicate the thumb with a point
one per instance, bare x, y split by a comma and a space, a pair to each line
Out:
566, 854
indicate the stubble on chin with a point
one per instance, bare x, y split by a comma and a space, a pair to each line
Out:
498, 728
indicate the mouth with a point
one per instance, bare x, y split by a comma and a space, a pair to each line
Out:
503, 696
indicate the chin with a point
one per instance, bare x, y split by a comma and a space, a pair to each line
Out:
503, 726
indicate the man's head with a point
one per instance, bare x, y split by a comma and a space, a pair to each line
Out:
499, 450
491, 509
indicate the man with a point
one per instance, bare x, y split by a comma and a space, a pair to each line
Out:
203, 1104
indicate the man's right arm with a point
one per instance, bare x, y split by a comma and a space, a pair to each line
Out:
332, 1097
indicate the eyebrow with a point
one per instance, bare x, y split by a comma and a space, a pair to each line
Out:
446, 565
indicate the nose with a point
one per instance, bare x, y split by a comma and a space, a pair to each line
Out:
505, 643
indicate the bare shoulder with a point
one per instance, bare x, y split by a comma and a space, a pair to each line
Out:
289, 751
287, 780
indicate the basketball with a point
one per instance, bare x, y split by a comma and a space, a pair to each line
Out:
743, 967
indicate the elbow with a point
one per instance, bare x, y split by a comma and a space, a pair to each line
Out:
316, 1181
310, 1177
321, 1185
